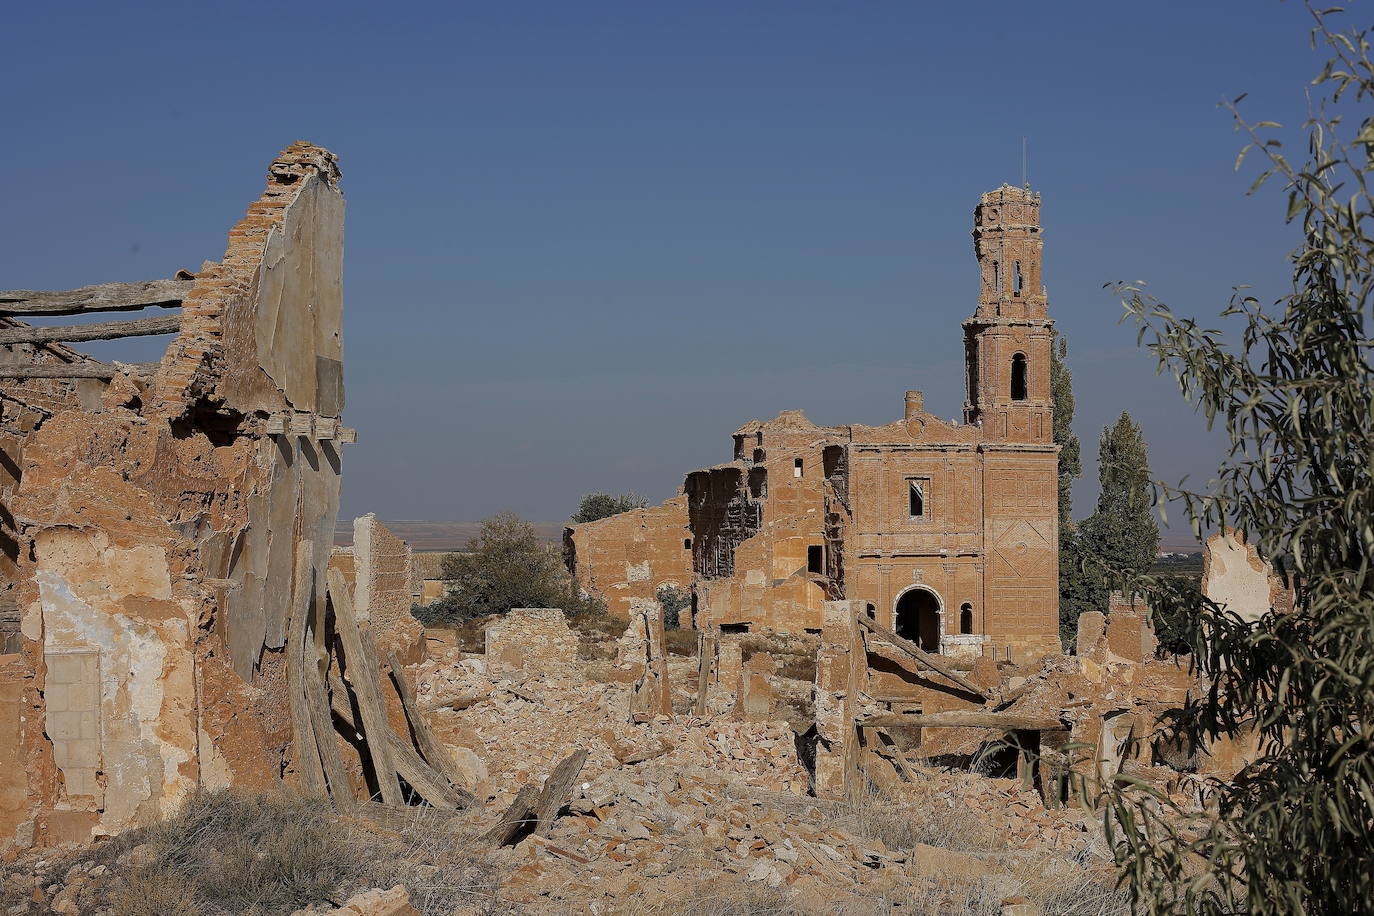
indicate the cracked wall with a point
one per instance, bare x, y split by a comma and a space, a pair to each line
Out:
158, 522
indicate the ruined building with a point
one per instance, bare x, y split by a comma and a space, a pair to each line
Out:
168, 617
946, 530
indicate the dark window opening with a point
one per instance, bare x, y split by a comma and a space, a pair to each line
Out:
734, 628
1018, 377
796, 467
1016, 278
686, 543
815, 558
918, 618
966, 618
997, 276
916, 498
813, 631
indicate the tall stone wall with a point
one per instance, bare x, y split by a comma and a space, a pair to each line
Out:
162, 522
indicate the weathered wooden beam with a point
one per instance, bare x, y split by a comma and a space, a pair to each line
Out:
921, 656
303, 731
76, 370
432, 786
340, 790
104, 330
364, 674
537, 808
104, 297
964, 718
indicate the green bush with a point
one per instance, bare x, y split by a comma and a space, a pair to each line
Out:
506, 566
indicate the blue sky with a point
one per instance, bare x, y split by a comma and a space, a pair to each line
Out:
586, 241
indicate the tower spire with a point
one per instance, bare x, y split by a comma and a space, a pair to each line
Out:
1007, 341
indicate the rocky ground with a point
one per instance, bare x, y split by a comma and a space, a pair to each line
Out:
684, 814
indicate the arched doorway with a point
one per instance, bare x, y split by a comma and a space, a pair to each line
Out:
917, 618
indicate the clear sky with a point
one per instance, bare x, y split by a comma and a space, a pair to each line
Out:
588, 240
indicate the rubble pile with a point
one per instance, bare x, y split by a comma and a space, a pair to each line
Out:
659, 833
509, 730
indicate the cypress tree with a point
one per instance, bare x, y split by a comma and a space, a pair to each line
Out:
1121, 537
1075, 593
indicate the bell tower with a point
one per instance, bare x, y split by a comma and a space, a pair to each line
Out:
1007, 341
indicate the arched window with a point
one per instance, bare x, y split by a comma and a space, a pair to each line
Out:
1018, 377
965, 618
1016, 278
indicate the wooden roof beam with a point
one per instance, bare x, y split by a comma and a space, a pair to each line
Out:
103, 297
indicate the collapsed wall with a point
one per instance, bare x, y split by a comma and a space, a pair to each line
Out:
631, 556
161, 519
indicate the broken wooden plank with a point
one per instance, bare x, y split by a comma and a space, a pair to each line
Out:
363, 673
103, 297
963, 718
518, 815
538, 807
303, 732
894, 753
430, 746
433, 786
558, 789
77, 370
920, 655
103, 330
340, 790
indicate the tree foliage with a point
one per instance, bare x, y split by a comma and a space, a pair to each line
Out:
506, 566
1121, 534
1072, 581
595, 506
1117, 544
1295, 833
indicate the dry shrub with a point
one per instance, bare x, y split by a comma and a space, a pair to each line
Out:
265, 853
681, 642
906, 824
597, 635
795, 654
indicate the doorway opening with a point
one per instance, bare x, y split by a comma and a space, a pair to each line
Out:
917, 618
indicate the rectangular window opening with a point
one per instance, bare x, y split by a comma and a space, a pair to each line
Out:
686, 543
796, 467
916, 496
815, 558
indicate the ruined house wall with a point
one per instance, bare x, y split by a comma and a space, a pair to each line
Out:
160, 528
1235, 577
630, 556
381, 595
759, 524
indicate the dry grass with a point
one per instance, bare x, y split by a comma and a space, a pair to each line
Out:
266, 853
722, 896
878, 816
795, 655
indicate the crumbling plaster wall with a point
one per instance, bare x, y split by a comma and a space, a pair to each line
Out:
1238, 579
628, 557
159, 528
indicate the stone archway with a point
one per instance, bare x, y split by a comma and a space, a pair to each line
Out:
916, 617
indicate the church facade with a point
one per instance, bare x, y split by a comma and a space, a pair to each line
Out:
947, 530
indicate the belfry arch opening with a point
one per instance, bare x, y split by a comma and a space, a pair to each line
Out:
917, 618
1018, 377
